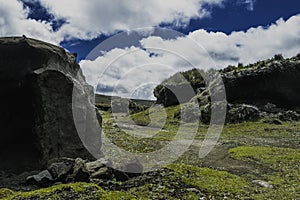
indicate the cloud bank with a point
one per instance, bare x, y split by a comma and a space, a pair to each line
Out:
88, 19
154, 61
14, 21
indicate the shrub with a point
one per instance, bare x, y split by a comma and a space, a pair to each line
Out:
278, 57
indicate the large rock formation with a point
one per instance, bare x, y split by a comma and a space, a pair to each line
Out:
37, 83
274, 81
173, 94
177, 88
277, 82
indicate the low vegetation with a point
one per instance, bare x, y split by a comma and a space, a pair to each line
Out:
245, 152
67, 191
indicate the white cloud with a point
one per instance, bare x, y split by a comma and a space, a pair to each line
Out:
260, 43
13, 21
88, 19
245, 47
130, 74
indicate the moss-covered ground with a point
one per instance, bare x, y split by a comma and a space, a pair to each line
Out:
245, 152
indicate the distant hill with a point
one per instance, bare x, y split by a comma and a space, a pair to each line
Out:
105, 99
104, 102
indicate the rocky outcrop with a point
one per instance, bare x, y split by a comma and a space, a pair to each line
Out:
275, 81
173, 94
179, 87
268, 89
66, 170
234, 113
40, 84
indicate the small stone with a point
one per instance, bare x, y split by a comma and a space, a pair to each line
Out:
59, 170
98, 168
193, 190
262, 183
44, 177
79, 171
101, 173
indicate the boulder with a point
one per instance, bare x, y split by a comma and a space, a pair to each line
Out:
39, 82
79, 172
42, 178
179, 87
98, 169
173, 94
234, 113
61, 168
242, 112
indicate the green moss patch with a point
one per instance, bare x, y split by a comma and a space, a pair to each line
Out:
70, 191
5, 193
213, 183
285, 163
274, 156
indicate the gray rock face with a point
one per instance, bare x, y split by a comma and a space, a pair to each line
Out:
37, 83
174, 94
276, 83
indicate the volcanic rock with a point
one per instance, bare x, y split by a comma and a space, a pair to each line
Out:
41, 87
272, 83
275, 83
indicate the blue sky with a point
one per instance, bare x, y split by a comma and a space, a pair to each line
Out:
230, 31
233, 15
